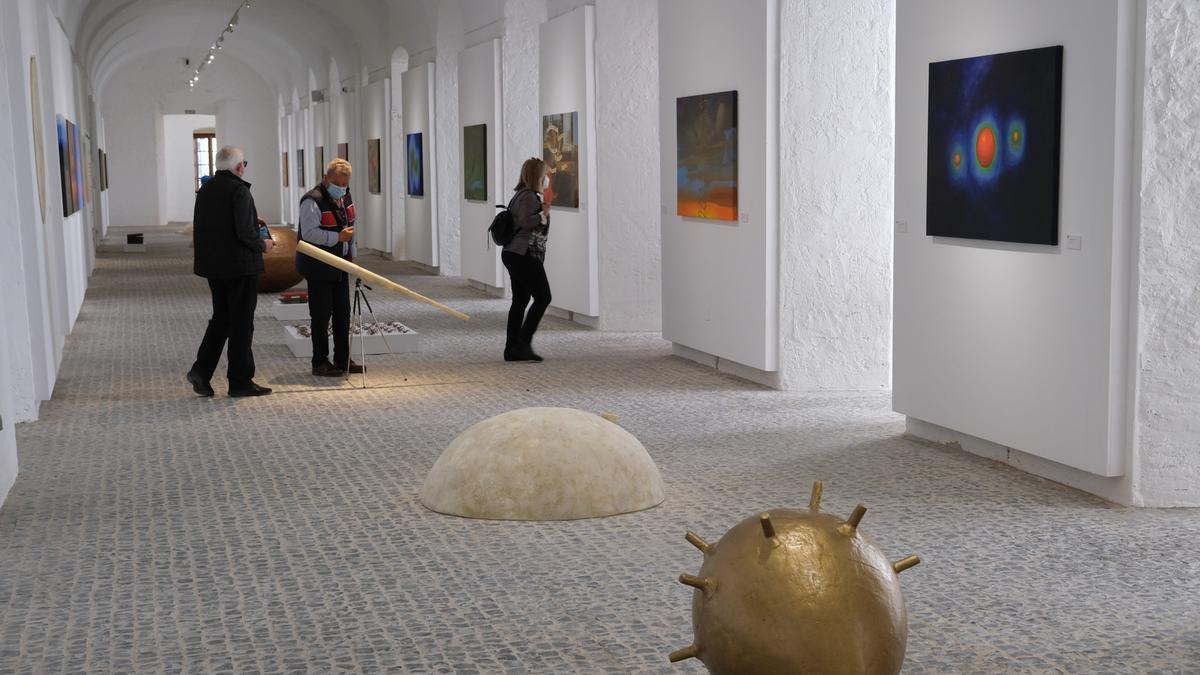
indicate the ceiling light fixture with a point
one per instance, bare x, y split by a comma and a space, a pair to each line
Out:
216, 45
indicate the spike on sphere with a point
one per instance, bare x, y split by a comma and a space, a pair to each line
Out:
814, 501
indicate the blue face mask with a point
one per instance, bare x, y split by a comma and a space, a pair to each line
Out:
336, 191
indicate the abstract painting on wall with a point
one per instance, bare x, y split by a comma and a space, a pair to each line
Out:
39, 152
344, 151
706, 153
560, 151
416, 166
373, 175
475, 173
300, 169
70, 165
285, 170
320, 157
994, 147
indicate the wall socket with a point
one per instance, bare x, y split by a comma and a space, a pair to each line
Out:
745, 216
901, 226
1074, 242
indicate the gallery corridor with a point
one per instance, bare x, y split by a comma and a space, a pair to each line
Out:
150, 530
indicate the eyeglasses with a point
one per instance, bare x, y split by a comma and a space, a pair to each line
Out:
245, 164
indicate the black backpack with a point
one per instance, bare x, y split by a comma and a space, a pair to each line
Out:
503, 227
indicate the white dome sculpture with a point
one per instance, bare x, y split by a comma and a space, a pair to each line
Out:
543, 464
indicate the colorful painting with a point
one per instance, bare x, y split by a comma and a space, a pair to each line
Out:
475, 173
285, 169
87, 167
416, 165
300, 169
560, 151
70, 165
994, 124
706, 153
320, 157
344, 151
39, 141
373, 177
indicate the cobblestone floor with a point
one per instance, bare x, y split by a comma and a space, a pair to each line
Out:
150, 530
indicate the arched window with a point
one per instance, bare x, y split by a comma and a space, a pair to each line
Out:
203, 144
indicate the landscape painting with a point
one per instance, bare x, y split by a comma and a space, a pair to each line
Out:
993, 155
373, 176
706, 151
416, 165
475, 173
560, 151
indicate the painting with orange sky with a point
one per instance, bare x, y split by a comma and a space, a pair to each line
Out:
706, 152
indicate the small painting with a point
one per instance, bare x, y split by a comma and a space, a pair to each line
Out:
416, 165
300, 169
103, 171
70, 166
475, 173
285, 169
706, 154
344, 151
560, 151
39, 142
373, 177
320, 157
993, 155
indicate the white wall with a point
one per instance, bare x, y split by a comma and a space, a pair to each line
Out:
10, 269
567, 79
373, 229
420, 213
179, 168
479, 103
835, 219
1166, 466
628, 166
448, 137
720, 278
520, 63
1022, 345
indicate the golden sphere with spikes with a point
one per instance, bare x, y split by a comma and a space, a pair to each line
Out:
797, 592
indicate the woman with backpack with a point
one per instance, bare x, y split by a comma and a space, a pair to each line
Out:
524, 256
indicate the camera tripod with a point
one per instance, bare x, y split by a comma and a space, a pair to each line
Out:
356, 318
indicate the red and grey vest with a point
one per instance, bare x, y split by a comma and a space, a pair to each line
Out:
334, 218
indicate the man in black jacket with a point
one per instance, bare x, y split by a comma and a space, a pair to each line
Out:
228, 252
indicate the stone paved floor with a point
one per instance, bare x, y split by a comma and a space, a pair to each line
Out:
150, 530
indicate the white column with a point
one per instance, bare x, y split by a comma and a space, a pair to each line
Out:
1166, 466
627, 197
837, 158
519, 57
448, 133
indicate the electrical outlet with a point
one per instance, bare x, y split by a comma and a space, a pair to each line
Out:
902, 226
1074, 242
745, 216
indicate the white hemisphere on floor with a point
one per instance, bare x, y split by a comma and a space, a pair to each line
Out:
543, 464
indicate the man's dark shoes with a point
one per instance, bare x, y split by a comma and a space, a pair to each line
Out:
248, 389
353, 368
531, 355
522, 353
327, 369
199, 384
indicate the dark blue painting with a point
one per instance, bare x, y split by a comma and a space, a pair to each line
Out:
416, 166
994, 147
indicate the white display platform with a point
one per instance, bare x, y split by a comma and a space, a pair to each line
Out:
290, 311
395, 343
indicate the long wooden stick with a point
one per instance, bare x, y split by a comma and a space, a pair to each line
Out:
369, 276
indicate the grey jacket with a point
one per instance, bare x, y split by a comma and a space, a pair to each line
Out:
526, 208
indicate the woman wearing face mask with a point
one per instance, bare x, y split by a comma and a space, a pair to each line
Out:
524, 257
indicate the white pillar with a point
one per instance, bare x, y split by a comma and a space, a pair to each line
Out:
837, 158
1166, 452
627, 198
519, 56
448, 141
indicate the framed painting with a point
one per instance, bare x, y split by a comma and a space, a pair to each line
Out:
560, 151
416, 165
103, 171
993, 154
343, 150
300, 169
285, 169
320, 157
706, 155
373, 176
475, 157
66, 175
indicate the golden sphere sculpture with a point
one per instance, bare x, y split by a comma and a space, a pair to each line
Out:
279, 273
797, 592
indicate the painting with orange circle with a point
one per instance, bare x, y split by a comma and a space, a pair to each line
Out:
994, 136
